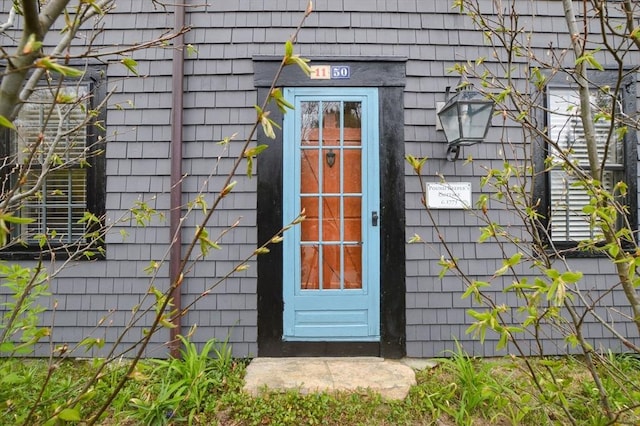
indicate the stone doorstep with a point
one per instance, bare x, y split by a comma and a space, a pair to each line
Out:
392, 379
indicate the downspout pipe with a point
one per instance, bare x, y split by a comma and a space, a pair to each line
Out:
177, 103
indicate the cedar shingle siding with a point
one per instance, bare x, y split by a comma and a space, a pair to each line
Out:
218, 101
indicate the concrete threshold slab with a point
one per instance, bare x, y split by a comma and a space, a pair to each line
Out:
390, 378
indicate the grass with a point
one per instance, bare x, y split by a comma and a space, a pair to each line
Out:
205, 388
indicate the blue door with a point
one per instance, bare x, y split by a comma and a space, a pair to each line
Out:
331, 261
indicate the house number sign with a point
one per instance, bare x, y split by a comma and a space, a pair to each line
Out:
448, 195
330, 72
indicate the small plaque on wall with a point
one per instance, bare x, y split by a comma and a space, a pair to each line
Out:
330, 72
448, 195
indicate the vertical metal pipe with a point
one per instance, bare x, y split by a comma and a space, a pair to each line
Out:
177, 90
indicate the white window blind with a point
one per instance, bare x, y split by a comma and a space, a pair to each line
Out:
568, 222
61, 201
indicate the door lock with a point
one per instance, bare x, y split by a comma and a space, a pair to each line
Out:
374, 218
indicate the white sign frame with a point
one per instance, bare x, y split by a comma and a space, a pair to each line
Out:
448, 195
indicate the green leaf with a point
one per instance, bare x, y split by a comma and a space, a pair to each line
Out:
415, 163
68, 71
32, 45
8, 217
52, 65
12, 379
594, 63
552, 273
446, 266
156, 292
164, 322
89, 218
205, 243
288, 49
281, 102
267, 127
504, 339
4, 122
153, 266
572, 340
90, 342
242, 267
69, 415
252, 152
131, 64
508, 263
191, 51
301, 62
474, 289
266, 122
571, 277
591, 60
261, 250
415, 239
7, 347
515, 259
228, 189
249, 167
538, 78
227, 139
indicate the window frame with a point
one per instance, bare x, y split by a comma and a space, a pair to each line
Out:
542, 186
95, 178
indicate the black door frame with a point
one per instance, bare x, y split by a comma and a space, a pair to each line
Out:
388, 75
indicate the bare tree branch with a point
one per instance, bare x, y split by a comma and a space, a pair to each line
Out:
10, 20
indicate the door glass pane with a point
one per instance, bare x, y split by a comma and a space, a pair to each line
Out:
352, 135
331, 219
352, 219
331, 267
331, 116
309, 256
353, 267
309, 123
310, 175
309, 226
352, 170
331, 194
352, 123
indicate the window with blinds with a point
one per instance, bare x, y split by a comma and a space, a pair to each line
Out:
51, 140
566, 197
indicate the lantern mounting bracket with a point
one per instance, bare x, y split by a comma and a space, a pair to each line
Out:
453, 152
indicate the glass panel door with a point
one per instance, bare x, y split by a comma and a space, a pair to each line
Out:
331, 260
330, 194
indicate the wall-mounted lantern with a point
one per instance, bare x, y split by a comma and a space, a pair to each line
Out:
465, 119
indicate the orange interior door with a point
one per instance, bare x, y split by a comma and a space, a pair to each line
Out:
331, 194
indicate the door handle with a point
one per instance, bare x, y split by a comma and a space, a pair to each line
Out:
374, 218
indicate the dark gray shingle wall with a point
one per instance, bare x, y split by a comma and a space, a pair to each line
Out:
219, 99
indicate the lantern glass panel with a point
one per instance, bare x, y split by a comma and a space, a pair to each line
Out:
474, 120
450, 125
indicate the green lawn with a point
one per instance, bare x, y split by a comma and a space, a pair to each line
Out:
206, 389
